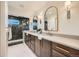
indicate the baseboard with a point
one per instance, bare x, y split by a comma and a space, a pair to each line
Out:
15, 43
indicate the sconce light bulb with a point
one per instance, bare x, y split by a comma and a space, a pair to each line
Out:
67, 5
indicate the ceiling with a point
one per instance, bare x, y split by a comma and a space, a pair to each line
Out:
26, 8
29, 8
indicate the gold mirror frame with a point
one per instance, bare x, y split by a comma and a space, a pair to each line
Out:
56, 21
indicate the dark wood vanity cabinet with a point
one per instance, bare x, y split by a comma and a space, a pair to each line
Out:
59, 50
42, 48
30, 41
45, 48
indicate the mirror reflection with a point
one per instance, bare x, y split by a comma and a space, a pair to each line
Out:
51, 19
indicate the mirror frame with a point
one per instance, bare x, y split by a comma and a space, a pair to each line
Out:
35, 18
57, 18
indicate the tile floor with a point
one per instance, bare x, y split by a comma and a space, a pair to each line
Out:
20, 50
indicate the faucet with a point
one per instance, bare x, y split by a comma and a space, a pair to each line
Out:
39, 31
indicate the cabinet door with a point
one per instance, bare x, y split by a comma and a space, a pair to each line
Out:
45, 48
32, 43
28, 42
37, 46
32, 47
56, 54
32, 40
58, 51
26, 39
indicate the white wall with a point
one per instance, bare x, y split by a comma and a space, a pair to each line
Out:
3, 29
70, 26
66, 26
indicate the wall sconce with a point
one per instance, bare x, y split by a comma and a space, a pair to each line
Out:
40, 15
30, 21
68, 6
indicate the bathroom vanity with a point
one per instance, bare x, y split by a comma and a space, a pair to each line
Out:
45, 45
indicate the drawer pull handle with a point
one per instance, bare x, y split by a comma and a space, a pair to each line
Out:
63, 49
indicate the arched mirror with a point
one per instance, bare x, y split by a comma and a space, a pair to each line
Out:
51, 19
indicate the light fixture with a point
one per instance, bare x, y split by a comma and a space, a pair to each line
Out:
40, 15
68, 7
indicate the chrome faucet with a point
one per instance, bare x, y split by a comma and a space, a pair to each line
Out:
39, 31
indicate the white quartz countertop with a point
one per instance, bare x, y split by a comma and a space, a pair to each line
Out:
73, 43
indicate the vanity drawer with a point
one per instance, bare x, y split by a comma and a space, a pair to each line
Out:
67, 51
57, 54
